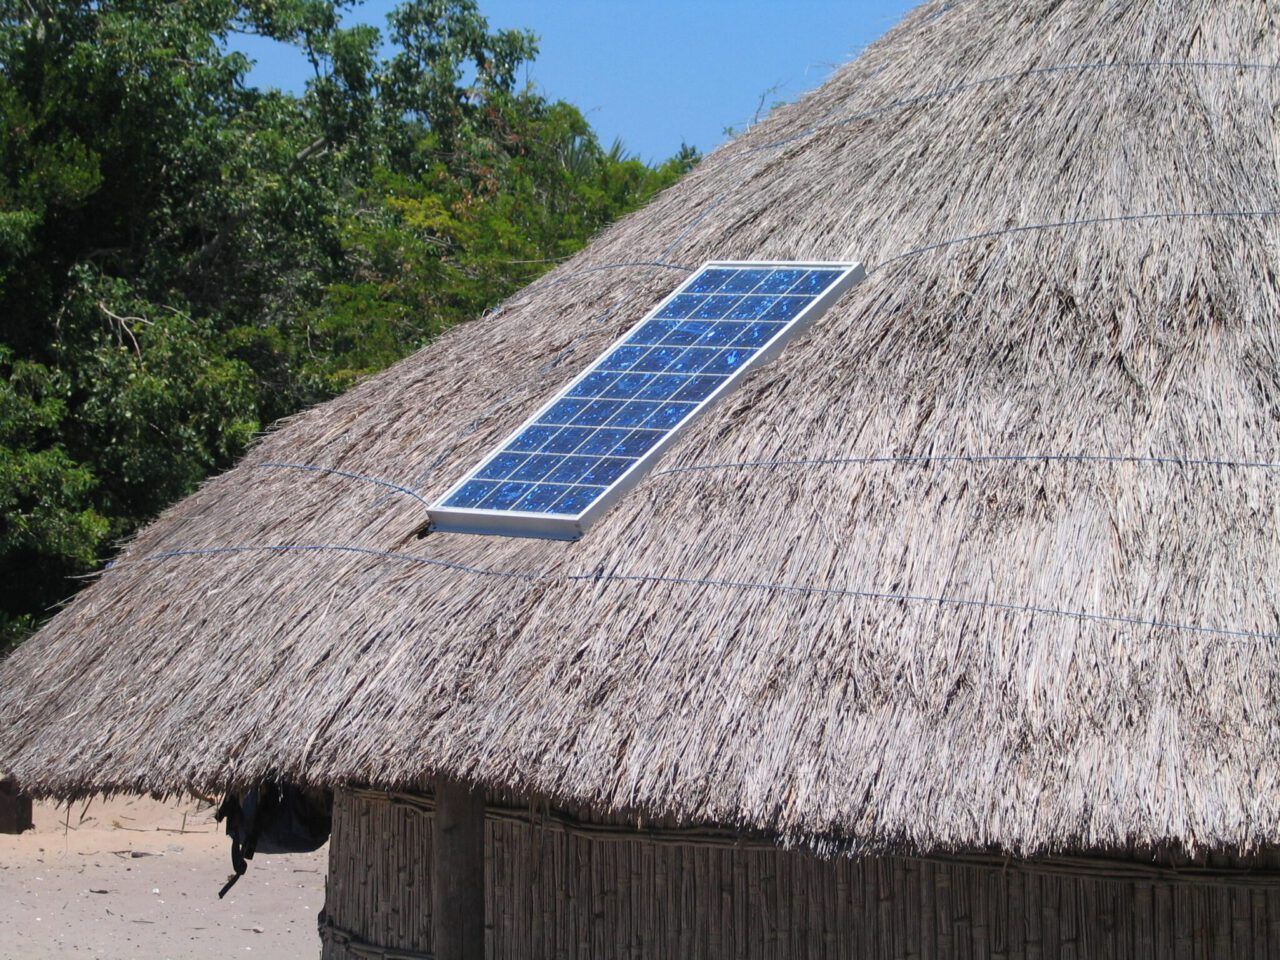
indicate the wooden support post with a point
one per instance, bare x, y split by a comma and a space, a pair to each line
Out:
15, 809
457, 907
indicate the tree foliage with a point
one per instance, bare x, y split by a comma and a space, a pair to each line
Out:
185, 257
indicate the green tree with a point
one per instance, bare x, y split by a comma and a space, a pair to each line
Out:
185, 258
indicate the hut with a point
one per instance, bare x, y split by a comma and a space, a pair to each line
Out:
953, 632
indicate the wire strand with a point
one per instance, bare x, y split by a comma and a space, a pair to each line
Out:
968, 85
974, 458
1081, 222
941, 600
312, 468
948, 92
756, 585
408, 558
618, 265
711, 207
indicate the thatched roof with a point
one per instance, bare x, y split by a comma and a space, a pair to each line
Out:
989, 557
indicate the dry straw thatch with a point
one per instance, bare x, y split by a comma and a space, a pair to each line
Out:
988, 559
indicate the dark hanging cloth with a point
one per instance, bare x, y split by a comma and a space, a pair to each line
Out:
273, 818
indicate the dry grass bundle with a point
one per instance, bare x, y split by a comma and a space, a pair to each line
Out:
988, 559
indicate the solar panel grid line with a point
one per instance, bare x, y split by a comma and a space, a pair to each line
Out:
597, 436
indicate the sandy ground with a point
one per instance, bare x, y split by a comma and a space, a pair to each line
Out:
130, 878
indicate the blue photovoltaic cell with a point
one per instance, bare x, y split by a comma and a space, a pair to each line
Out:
641, 389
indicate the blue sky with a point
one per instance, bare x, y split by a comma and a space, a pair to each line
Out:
660, 72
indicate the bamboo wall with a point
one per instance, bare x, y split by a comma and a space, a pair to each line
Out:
565, 894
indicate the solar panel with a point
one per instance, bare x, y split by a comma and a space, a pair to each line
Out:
597, 437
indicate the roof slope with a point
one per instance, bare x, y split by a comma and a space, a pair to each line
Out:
989, 557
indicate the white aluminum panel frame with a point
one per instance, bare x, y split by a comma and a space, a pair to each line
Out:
550, 526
